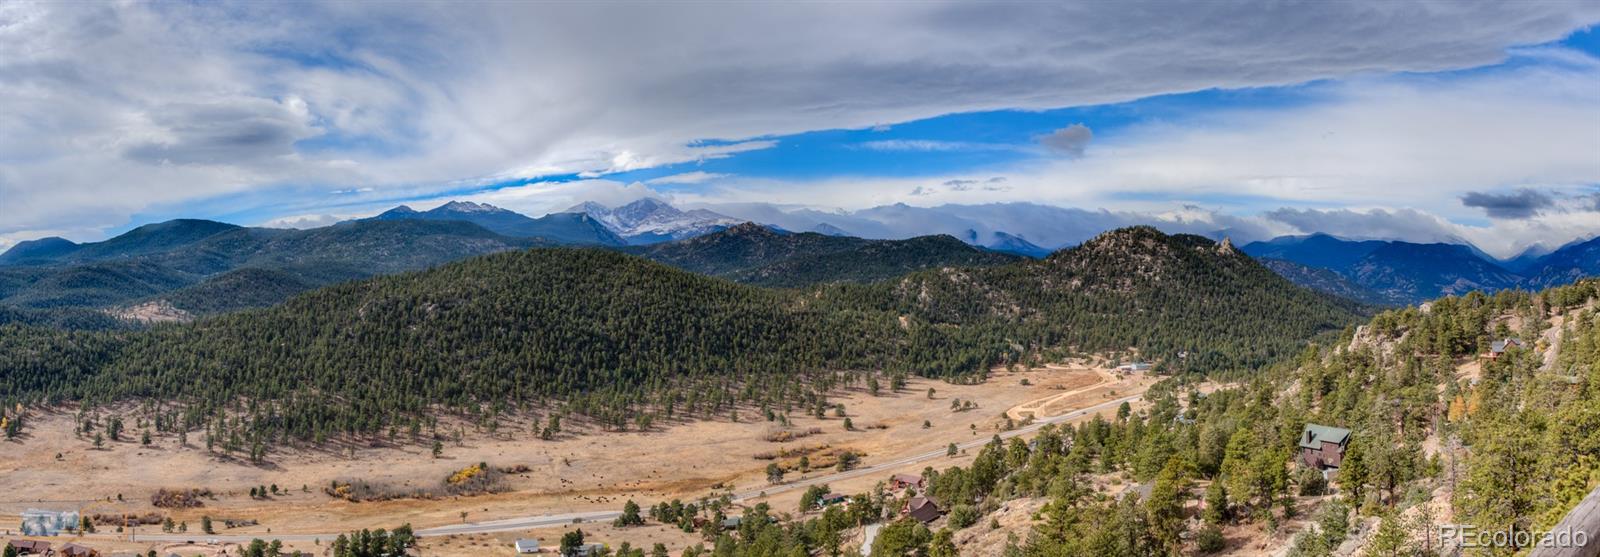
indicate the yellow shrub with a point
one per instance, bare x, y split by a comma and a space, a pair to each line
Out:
461, 476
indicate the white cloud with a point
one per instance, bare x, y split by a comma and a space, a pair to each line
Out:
114, 108
311, 221
1369, 224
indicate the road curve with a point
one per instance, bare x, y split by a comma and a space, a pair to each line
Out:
526, 522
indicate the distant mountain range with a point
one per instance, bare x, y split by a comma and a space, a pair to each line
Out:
193, 267
759, 255
1020, 228
1393, 272
199, 266
651, 221
565, 228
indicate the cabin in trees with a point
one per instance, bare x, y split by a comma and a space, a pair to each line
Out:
1499, 347
833, 498
1322, 447
30, 547
588, 549
921, 508
1134, 367
902, 481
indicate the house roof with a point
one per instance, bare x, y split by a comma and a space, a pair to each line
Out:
527, 545
923, 509
72, 549
907, 478
1315, 435
1499, 346
30, 545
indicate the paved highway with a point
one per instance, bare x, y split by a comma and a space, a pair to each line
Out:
526, 522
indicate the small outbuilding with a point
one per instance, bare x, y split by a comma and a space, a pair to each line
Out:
526, 545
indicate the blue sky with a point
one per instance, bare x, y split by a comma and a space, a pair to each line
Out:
1467, 122
976, 142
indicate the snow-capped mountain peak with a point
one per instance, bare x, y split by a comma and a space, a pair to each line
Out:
468, 207
651, 220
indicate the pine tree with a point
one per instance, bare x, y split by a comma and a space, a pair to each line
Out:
630, 515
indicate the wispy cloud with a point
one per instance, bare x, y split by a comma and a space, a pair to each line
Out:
310, 221
685, 178
929, 145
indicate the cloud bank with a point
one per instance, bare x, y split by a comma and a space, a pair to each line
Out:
116, 110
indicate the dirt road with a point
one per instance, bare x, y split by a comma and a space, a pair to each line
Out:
1032, 408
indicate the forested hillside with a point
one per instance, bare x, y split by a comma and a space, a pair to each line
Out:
1326, 280
617, 337
754, 254
1440, 434
1183, 300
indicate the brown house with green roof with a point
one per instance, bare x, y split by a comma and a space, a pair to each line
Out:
1322, 447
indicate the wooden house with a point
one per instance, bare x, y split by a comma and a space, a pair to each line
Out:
1499, 347
921, 508
902, 481
75, 550
1322, 447
30, 547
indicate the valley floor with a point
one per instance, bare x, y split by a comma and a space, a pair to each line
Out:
585, 474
